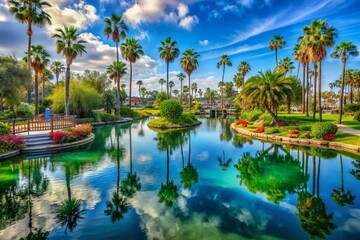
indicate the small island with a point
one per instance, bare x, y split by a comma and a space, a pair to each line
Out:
172, 116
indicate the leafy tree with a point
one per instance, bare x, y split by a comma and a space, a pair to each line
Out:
46, 76
224, 61
171, 85
108, 101
30, 12
69, 43
243, 69
193, 89
95, 79
275, 44
169, 52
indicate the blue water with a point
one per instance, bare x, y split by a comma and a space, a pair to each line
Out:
200, 183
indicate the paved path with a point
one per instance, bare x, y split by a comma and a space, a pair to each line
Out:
348, 130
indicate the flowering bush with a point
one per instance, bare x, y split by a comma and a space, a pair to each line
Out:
329, 137
9, 142
260, 129
293, 131
242, 122
71, 135
293, 123
282, 124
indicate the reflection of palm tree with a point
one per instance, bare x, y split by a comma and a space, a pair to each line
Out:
38, 234
340, 196
224, 163
69, 213
226, 134
189, 173
141, 132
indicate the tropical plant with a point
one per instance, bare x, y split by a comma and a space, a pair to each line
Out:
108, 101
46, 75
69, 43
171, 85
131, 50
223, 163
243, 69
224, 61
286, 65
139, 83
238, 80
116, 71
194, 88
57, 68
189, 62
171, 110
169, 52
275, 44
343, 51
162, 81
30, 12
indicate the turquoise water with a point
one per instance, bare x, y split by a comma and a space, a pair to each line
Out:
203, 183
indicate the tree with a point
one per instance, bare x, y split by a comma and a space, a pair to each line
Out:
301, 54
181, 78
39, 60
224, 61
343, 51
189, 62
57, 68
30, 12
131, 50
228, 88
286, 65
267, 89
193, 89
143, 94
171, 85
139, 83
275, 44
116, 71
69, 43
46, 75
169, 52
243, 69
317, 37
176, 92
200, 91
223, 163
238, 80
162, 81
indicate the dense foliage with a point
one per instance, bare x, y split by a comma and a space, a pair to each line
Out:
318, 130
71, 135
10, 142
4, 128
357, 116
171, 110
352, 108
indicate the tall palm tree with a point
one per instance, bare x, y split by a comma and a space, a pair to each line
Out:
30, 12
143, 94
69, 43
238, 81
46, 75
244, 68
343, 51
189, 62
286, 65
193, 89
317, 37
39, 60
169, 52
275, 44
267, 89
200, 91
162, 81
116, 71
115, 27
181, 78
131, 50
123, 86
224, 61
139, 83
302, 56
171, 85
57, 68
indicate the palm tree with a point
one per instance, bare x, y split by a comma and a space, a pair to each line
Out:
317, 37
238, 80
162, 81
181, 78
244, 68
171, 85
223, 163
115, 27
116, 71
275, 44
286, 65
123, 86
301, 54
200, 91
224, 61
57, 68
143, 93
139, 83
131, 50
39, 60
30, 12
267, 89
168, 51
176, 92
343, 51
189, 62
193, 89
69, 43
46, 75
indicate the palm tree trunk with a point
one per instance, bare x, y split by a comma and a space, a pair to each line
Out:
57, 79
342, 92
189, 154
298, 70
117, 51
189, 92
351, 94
36, 93
314, 175
130, 85
319, 91
167, 80
67, 90
274, 118
276, 58
167, 165
303, 89
181, 92
221, 88
318, 177
131, 153
117, 111
314, 107
307, 89
288, 100
342, 173
29, 32
43, 86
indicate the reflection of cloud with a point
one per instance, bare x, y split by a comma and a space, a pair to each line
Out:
144, 158
204, 155
353, 224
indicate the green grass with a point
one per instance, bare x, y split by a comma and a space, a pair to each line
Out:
184, 120
347, 138
147, 112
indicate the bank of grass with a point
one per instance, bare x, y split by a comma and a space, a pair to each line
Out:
186, 120
147, 112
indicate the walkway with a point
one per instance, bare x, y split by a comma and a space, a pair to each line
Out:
348, 130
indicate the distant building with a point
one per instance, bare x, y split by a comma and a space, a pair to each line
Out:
135, 101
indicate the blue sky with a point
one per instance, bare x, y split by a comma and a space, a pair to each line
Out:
240, 28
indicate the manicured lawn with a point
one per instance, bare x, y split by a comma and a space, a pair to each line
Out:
185, 119
347, 138
147, 112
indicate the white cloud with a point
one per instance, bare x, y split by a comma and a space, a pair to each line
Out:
246, 3
142, 35
189, 21
204, 42
182, 10
4, 13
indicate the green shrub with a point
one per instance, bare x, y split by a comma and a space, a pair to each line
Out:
24, 111
160, 98
305, 135
9, 114
252, 115
46, 102
196, 108
85, 120
266, 117
127, 112
171, 109
41, 109
357, 116
149, 107
108, 101
352, 108
318, 130
304, 128
4, 128
271, 130
105, 117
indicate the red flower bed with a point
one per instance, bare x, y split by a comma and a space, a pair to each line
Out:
329, 137
71, 135
293, 131
242, 122
9, 142
282, 124
260, 129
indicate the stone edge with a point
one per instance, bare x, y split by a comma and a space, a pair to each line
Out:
9, 154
